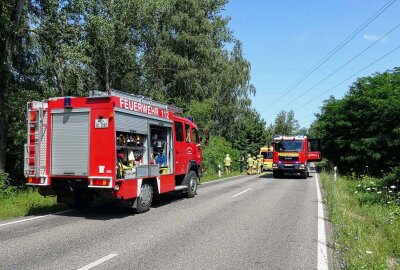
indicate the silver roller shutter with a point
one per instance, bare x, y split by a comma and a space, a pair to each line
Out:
70, 143
130, 123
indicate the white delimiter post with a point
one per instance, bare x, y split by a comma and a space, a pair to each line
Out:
219, 170
334, 173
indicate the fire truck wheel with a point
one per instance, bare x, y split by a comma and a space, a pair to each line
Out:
276, 174
191, 184
145, 198
303, 175
80, 201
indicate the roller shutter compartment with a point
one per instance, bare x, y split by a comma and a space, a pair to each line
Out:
70, 143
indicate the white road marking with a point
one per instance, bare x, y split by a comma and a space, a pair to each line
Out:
241, 192
321, 247
99, 261
32, 218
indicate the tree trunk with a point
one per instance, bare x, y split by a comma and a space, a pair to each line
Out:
5, 76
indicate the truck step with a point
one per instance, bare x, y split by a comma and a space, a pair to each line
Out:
177, 188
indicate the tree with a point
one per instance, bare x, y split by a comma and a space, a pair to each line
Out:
11, 13
285, 123
363, 128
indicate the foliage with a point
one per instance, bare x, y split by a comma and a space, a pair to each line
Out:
170, 50
360, 132
5, 189
393, 177
215, 152
367, 227
286, 124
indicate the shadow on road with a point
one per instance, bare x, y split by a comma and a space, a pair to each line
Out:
266, 175
286, 176
106, 210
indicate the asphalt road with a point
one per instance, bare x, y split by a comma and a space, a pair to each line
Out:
248, 222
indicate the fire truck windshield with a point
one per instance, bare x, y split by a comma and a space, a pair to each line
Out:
267, 155
289, 146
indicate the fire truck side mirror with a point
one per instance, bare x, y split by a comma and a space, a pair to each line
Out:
207, 138
314, 145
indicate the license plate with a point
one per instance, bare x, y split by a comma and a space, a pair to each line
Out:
101, 123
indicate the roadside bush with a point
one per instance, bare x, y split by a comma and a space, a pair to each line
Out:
393, 178
215, 152
5, 188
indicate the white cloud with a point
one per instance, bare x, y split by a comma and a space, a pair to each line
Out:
372, 37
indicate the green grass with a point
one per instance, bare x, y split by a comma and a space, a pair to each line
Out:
366, 219
26, 202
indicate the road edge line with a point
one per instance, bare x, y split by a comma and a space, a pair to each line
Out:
322, 261
33, 218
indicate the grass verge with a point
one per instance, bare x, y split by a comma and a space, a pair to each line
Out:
366, 219
26, 202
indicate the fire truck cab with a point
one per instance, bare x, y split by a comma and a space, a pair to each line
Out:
110, 145
293, 154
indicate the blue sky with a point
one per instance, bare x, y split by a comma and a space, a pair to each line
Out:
284, 39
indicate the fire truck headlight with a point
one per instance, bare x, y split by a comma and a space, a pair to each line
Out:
301, 166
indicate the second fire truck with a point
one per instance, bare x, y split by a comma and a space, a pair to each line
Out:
110, 145
293, 154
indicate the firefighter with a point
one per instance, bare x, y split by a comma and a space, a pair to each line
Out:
241, 162
255, 161
227, 163
259, 164
249, 164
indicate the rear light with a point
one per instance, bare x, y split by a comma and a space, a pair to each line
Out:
35, 181
32, 116
100, 182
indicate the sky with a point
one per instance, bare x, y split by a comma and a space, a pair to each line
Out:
285, 39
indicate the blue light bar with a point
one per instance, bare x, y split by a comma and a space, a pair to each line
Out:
67, 102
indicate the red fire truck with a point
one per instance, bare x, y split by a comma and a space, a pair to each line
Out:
292, 154
110, 145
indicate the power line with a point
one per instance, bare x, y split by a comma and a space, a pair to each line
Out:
348, 78
333, 52
342, 66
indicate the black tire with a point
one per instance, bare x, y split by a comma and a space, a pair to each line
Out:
303, 175
80, 198
81, 202
143, 201
276, 174
191, 182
